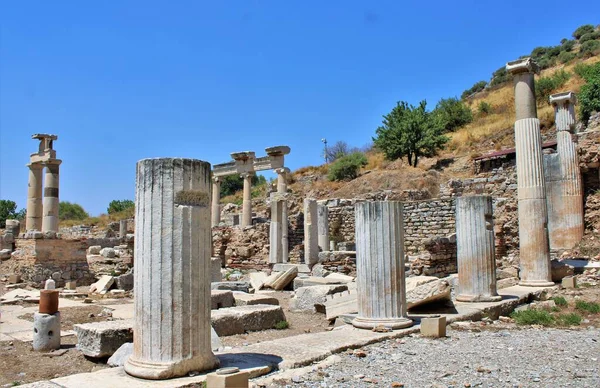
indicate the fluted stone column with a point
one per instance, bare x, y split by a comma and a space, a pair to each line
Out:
533, 217
247, 199
311, 237
381, 287
323, 226
282, 174
216, 199
33, 220
475, 249
275, 239
570, 230
172, 332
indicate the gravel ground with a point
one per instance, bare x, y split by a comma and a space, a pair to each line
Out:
508, 358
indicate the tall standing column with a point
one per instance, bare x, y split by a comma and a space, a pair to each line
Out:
275, 240
172, 332
323, 226
50, 220
475, 249
33, 220
534, 248
311, 239
571, 202
282, 174
381, 287
247, 199
216, 199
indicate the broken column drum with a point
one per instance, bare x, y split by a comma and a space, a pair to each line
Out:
534, 250
323, 226
475, 249
172, 277
381, 286
569, 232
311, 239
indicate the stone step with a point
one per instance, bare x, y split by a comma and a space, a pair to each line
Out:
244, 299
240, 319
221, 299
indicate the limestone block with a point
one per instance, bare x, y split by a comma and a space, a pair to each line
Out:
215, 269
341, 304
286, 278
415, 281
320, 271
244, 252
71, 285
244, 299
561, 270
341, 277
239, 319
313, 298
125, 281
103, 339
282, 267
225, 379
508, 282
314, 281
433, 327
94, 250
232, 286
221, 299
437, 291
8, 238
271, 278
46, 331
14, 279
108, 252
569, 282
257, 280
121, 355
5, 254
103, 284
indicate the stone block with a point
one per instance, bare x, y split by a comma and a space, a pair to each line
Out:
341, 304
240, 319
244, 252
340, 277
221, 299
46, 331
125, 281
313, 298
257, 280
232, 286
108, 252
271, 278
71, 285
560, 270
437, 291
215, 269
319, 271
121, 355
103, 339
569, 282
223, 378
282, 267
433, 327
244, 299
94, 250
286, 278
5, 254
103, 284
14, 279
314, 281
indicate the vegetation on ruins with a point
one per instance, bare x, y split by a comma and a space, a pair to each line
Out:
589, 96
282, 325
477, 87
545, 86
71, 211
410, 131
347, 167
233, 183
582, 30
484, 108
338, 150
116, 206
8, 211
590, 307
452, 113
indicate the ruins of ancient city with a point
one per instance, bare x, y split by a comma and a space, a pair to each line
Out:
431, 285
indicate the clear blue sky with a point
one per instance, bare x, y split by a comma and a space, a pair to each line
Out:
120, 81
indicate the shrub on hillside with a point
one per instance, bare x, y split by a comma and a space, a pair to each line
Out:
339, 149
484, 108
452, 113
585, 71
546, 85
589, 49
591, 36
500, 76
568, 45
234, 183
477, 87
347, 167
71, 211
589, 95
566, 56
582, 30
116, 206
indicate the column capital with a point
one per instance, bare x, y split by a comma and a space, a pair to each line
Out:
561, 99
523, 65
52, 162
216, 179
246, 175
282, 170
35, 165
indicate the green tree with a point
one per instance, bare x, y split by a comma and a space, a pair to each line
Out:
589, 95
8, 211
582, 30
477, 87
453, 113
347, 167
71, 211
116, 206
233, 183
410, 131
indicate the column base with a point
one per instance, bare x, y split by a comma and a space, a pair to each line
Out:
536, 283
167, 370
478, 298
370, 323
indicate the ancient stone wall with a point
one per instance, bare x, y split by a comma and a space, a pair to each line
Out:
439, 258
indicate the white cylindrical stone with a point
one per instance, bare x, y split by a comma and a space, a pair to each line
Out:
323, 226
46, 331
33, 219
381, 287
282, 176
51, 201
50, 284
247, 199
275, 232
311, 237
475, 250
173, 269
216, 199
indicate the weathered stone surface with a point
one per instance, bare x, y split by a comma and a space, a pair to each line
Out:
221, 299
314, 281
237, 320
125, 281
121, 355
103, 339
437, 291
257, 279
215, 269
94, 250
340, 277
313, 298
271, 278
508, 282
560, 270
286, 278
5, 254
311, 236
108, 252
103, 284
319, 270
302, 268
342, 303
232, 286
46, 328
244, 299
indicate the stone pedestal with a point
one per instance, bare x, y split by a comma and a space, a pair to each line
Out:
568, 231
311, 241
533, 217
475, 250
46, 331
33, 220
173, 269
247, 200
381, 286
216, 199
50, 220
323, 226
276, 228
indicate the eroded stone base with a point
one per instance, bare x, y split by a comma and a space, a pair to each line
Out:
392, 323
167, 370
478, 298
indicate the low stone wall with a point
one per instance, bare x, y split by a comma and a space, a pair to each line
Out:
40, 259
438, 260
